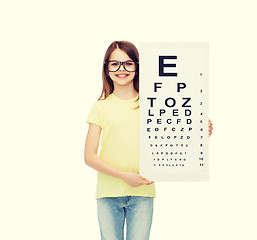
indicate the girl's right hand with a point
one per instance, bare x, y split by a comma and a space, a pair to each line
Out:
135, 180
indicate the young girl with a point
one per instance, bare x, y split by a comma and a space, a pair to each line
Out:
121, 192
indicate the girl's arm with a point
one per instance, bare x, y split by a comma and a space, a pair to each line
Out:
92, 160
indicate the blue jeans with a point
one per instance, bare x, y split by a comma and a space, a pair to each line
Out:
112, 212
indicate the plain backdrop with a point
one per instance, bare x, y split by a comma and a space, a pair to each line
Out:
51, 58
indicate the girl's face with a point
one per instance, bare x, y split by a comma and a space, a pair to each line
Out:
121, 77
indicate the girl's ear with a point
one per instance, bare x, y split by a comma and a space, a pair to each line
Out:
106, 71
137, 70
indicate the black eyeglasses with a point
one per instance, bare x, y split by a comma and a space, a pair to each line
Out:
114, 66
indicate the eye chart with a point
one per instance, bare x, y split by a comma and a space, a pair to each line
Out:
174, 111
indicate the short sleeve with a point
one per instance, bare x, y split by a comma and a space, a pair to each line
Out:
94, 115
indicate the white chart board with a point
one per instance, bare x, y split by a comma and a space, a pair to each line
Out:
174, 111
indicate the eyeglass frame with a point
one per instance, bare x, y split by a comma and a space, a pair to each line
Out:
121, 63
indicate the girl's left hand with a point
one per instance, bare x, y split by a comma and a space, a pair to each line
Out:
210, 128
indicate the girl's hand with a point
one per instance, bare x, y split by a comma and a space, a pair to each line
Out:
135, 180
210, 128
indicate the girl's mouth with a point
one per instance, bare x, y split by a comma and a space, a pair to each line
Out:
121, 75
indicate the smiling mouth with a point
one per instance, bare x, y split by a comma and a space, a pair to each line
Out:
121, 75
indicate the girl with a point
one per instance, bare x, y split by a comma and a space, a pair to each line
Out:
121, 192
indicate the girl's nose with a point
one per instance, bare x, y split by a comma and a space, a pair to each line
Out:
122, 68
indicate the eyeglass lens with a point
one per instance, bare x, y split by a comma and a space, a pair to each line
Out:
129, 66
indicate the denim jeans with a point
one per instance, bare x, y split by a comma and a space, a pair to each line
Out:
112, 212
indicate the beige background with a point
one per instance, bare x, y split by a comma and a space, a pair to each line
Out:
51, 55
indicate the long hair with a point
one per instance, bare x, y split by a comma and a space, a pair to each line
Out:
132, 52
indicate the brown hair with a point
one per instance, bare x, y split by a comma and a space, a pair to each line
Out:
132, 52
